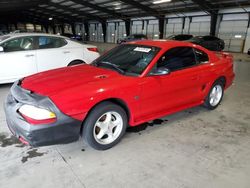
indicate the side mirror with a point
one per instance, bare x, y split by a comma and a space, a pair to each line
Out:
160, 71
1, 49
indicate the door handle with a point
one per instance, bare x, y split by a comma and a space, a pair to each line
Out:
66, 52
29, 55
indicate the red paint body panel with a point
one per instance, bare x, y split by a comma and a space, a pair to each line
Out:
76, 90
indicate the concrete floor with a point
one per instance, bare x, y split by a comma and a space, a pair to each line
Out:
191, 149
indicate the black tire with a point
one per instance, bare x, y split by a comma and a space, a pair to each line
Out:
75, 62
207, 103
94, 116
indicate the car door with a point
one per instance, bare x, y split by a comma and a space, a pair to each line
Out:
50, 53
179, 89
18, 58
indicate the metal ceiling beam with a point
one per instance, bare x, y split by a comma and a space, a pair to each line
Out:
87, 15
99, 8
24, 18
142, 7
14, 5
58, 15
206, 6
51, 14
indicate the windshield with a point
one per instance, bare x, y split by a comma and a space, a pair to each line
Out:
128, 59
4, 37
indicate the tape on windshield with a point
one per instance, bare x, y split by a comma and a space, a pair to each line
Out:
141, 49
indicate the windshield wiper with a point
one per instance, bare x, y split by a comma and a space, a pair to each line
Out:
112, 66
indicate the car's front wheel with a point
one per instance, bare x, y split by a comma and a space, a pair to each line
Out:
105, 126
215, 95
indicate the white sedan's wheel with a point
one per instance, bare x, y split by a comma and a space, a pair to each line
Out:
108, 127
105, 126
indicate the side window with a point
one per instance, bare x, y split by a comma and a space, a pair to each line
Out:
19, 44
177, 58
45, 42
201, 57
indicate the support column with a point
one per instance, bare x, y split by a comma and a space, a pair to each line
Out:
54, 28
7, 27
86, 34
127, 26
213, 24
73, 28
15, 24
46, 27
104, 30
62, 28
161, 26
183, 24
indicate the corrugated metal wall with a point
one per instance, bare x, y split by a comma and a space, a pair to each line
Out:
174, 26
233, 30
200, 25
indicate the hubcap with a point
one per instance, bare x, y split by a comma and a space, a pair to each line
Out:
108, 128
215, 95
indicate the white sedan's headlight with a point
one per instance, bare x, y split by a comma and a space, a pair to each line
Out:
36, 113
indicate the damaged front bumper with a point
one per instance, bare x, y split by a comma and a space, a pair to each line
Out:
64, 130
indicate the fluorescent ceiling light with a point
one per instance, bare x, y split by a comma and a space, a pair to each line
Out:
238, 36
117, 4
161, 1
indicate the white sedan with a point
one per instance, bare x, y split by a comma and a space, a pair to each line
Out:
24, 54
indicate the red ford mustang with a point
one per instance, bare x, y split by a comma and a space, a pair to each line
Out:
131, 84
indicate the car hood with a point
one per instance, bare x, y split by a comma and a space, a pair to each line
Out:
53, 82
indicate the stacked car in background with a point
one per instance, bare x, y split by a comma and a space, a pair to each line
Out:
210, 42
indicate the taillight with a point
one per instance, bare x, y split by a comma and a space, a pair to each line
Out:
93, 49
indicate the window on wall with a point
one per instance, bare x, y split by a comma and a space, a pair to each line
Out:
200, 28
233, 30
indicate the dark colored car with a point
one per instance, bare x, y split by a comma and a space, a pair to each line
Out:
181, 37
131, 38
248, 51
210, 42
72, 36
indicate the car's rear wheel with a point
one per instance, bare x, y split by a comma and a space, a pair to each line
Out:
105, 126
215, 95
75, 62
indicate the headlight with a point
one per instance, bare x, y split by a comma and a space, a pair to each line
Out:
37, 115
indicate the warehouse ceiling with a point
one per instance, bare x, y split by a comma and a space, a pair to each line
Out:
101, 10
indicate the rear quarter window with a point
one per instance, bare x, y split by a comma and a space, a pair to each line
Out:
45, 42
201, 57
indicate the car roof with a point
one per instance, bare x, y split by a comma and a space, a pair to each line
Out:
13, 35
162, 43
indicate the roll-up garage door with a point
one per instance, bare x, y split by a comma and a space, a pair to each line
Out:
174, 27
200, 26
233, 29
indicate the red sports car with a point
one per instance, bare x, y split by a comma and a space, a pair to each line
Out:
131, 84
